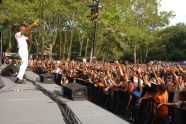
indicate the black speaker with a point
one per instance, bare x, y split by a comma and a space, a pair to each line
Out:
47, 78
10, 69
75, 91
39, 70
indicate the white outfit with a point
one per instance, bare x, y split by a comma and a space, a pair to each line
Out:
58, 70
84, 60
23, 53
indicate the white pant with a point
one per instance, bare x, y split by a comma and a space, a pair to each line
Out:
23, 53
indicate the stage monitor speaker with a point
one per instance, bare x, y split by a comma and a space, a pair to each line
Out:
39, 70
75, 91
47, 78
10, 69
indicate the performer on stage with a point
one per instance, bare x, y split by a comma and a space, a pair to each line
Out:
23, 49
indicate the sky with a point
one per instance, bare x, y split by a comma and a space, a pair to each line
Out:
179, 8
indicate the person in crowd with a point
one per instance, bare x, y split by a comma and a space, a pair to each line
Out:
161, 83
161, 97
57, 74
181, 105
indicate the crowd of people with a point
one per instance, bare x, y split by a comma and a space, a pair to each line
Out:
150, 93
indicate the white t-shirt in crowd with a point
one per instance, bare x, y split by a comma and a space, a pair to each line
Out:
21, 40
58, 70
84, 60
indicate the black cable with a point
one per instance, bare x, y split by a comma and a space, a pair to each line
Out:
68, 115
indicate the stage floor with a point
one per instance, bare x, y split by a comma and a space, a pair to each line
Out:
24, 104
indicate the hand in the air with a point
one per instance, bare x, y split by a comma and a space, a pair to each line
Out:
36, 22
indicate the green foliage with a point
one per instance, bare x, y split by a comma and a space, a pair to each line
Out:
174, 40
124, 27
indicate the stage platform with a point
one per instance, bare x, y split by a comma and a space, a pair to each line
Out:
24, 104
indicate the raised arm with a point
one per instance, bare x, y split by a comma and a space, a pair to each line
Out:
168, 104
139, 78
145, 80
156, 77
27, 29
120, 70
110, 78
180, 69
176, 80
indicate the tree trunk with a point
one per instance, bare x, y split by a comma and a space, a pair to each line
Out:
60, 49
146, 53
10, 38
37, 54
42, 48
86, 47
81, 41
134, 53
30, 46
42, 32
50, 52
70, 44
54, 37
71, 38
91, 53
64, 46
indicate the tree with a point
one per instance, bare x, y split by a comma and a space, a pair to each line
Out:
174, 40
125, 27
134, 22
12, 16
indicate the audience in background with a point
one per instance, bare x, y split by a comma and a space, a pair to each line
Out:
161, 82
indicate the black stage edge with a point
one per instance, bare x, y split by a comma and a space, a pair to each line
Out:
68, 115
